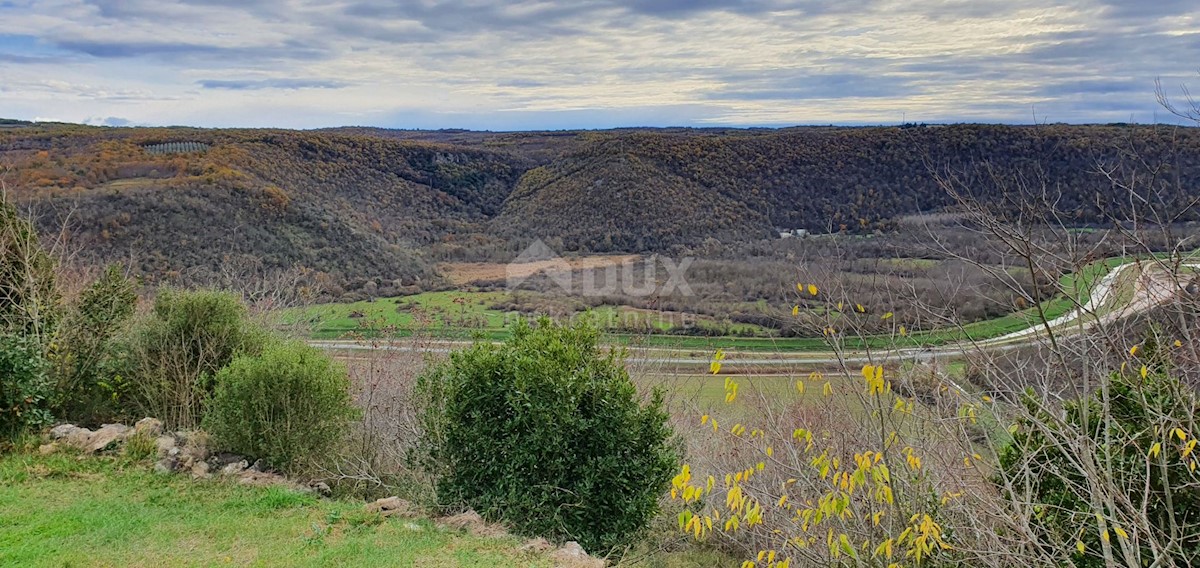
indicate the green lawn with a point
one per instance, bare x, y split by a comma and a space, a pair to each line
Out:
66, 509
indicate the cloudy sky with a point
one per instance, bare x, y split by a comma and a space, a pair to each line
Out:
531, 64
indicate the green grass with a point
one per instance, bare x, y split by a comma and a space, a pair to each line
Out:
66, 509
464, 314
447, 319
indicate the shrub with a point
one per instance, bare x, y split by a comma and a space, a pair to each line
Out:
171, 357
83, 361
1114, 476
547, 434
24, 386
29, 298
287, 405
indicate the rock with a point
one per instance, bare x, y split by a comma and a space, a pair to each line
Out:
234, 468
259, 478
200, 470
473, 523
72, 435
107, 436
80, 438
536, 546
166, 465
149, 427
47, 449
393, 506
195, 446
571, 555
64, 430
166, 446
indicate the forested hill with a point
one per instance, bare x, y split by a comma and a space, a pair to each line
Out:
364, 204
356, 208
651, 190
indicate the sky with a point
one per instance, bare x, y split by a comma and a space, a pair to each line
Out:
526, 65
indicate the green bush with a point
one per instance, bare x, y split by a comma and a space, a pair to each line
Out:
1144, 432
546, 434
289, 405
24, 386
84, 367
170, 358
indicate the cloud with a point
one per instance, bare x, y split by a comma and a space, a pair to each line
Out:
117, 49
108, 121
259, 84
544, 63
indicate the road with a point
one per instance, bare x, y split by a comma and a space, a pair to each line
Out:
1152, 287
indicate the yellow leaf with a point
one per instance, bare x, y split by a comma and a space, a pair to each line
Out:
1121, 532
1178, 343
887, 316
1134, 350
1155, 449
1179, 433
828, 390
1145, 371
800, 386
860, 308
795, 310
1080, 546
812, 289
903, 331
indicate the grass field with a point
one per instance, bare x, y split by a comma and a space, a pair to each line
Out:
468, 314
69, 510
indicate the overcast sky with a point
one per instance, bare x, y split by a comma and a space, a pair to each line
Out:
487, 64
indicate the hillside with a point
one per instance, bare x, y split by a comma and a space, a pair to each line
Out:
357, 209
650, 190
372, 209
605, 198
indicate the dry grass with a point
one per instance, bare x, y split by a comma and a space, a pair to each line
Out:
467, 272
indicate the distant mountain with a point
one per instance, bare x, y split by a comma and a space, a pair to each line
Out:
378, 206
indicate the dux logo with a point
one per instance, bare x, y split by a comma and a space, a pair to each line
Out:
626, 278
538, 258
